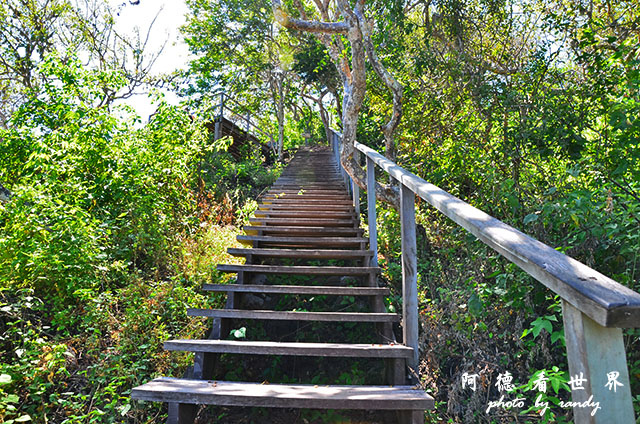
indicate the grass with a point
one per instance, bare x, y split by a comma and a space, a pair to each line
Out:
201, 254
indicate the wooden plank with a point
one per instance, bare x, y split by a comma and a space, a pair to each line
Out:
304, 221
282, 289
225, 393
316, 241
181, 413
326, 180
307, 199
320, 192
301, 207
312, 201
604, 300
307, 186
371, 210
306, 230
302, 253
594, 351
294, 316
299, 270
304, 214
410, 417
293, 349
409, 273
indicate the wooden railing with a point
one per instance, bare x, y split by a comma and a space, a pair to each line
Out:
595, 308
223, 105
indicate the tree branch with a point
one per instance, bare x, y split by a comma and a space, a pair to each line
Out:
392, 84
308, 26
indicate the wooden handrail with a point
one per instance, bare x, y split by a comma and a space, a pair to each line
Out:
594, 307
225, 97
604, 300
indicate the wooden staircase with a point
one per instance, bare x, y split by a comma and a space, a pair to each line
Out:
304, 241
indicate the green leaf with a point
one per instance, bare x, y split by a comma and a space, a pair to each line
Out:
532, 217
557, 335
23, 419
575, 219
513, 201
11, 399
240, 333
475, 304
5, 379
542, 323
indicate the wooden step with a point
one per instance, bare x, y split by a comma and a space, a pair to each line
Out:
226, 393
304, 241
302, 230
294, 315
303, 201
309, 185
307, 198
317, 209
305, 188
311, 178
299, 270
327, 222
320, 194
327, 179
328, 207
282, 289
304, 214
314, 190
291, 349
302, 253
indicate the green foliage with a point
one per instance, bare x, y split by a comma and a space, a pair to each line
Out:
313, 64
93, 196
539, 385
527, 111
103, 246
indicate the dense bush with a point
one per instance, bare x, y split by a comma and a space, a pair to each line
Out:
101, 245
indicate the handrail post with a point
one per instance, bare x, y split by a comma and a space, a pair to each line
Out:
218, 127
371, 211
409, 273
593, 352
345, 177
355, 189
336, 151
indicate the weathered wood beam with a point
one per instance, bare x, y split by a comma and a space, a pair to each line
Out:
409, 274
604, 300
593, 353
371, 211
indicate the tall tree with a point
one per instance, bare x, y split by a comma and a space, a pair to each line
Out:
238, 47
314, 66
35, 29
332, 22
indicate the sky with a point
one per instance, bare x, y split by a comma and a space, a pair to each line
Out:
170, 16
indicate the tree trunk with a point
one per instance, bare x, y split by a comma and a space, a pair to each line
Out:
277, 91
5, 194
353, 74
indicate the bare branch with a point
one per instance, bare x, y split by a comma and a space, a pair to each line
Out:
392, 84
308, 26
